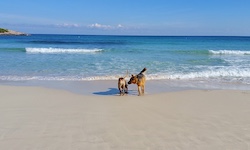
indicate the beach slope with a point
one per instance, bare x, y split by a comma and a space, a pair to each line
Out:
39, 118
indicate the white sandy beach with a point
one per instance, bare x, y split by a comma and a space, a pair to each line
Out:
39, 118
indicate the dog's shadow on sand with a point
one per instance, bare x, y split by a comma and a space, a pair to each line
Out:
110, 91
113, 91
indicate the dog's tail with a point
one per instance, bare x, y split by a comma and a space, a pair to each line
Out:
126, 75
143, 71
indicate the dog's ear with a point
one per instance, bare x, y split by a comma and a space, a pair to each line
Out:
132, 75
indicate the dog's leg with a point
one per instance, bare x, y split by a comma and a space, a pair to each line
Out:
143, 87
126, 88
120, 92
120, 89
123, 91
139, 90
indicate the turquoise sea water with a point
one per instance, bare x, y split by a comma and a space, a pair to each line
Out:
187, 59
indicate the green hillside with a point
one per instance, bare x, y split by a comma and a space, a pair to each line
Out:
3, 30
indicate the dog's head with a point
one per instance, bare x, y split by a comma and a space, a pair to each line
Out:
133, 80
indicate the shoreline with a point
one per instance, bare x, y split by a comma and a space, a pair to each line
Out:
95, 88
109, 87
44, 118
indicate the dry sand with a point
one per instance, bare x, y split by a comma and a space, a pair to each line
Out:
34, 118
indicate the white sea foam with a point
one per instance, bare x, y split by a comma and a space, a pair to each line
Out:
61, 50
39, 78
57, 78
229, 52
219, 74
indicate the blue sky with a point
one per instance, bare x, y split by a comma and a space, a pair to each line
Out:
127, 17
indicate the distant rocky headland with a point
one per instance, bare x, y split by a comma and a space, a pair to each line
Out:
11, 32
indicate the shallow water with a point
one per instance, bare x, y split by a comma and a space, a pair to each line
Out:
181, 61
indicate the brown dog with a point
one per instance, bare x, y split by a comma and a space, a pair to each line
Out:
122, 85
140, 80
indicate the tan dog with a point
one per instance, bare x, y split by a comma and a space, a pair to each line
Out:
122, 85
140, 80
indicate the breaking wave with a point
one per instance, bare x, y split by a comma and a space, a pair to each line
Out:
229, 52
60, 50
